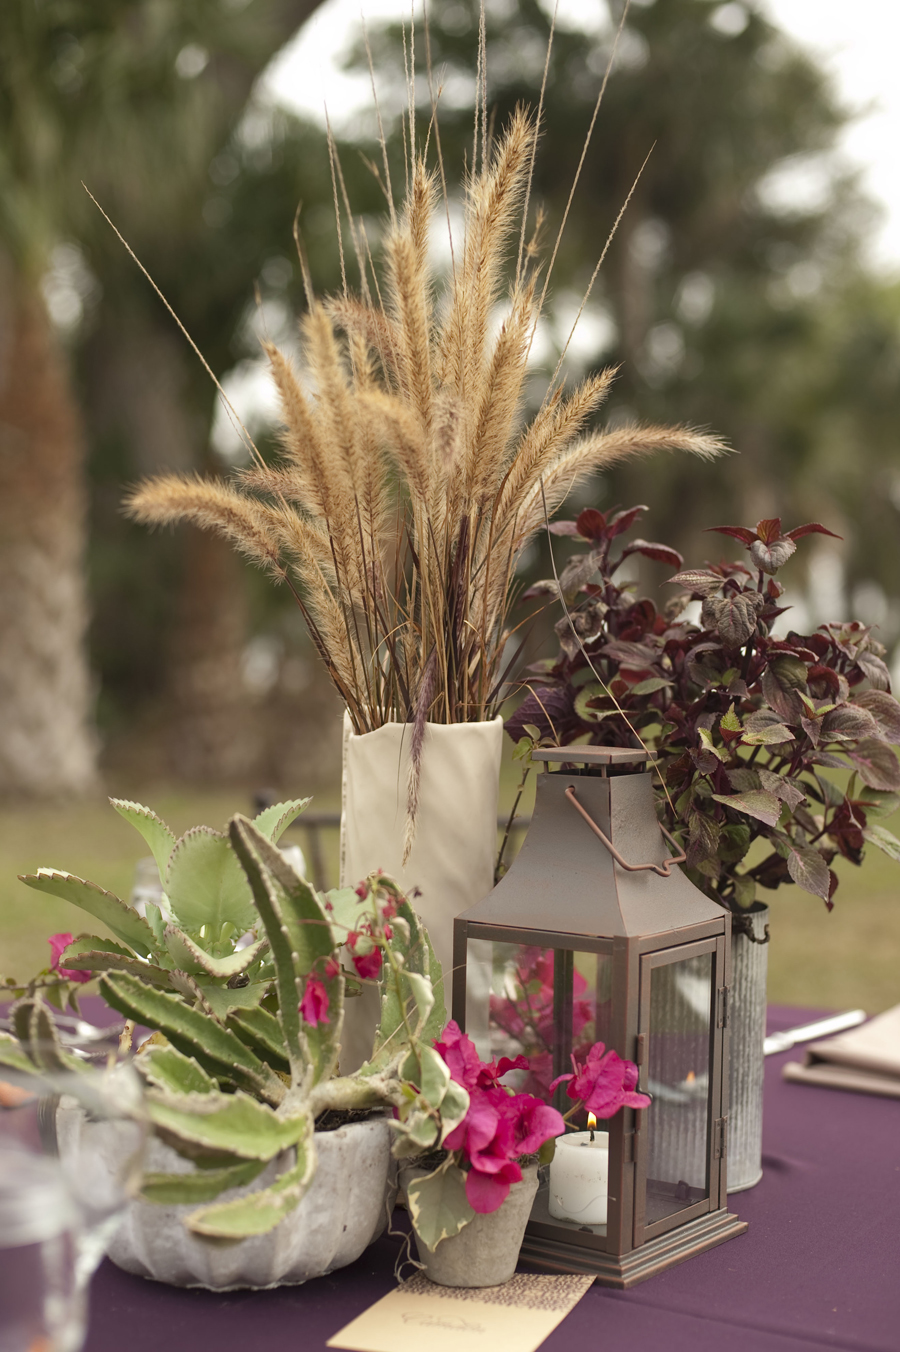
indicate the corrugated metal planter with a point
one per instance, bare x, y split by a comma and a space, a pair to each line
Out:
747, 1022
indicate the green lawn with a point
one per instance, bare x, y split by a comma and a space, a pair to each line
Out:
848, 958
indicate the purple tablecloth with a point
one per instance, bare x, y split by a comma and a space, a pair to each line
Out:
818, 1268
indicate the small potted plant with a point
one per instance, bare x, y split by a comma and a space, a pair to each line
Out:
257, 1138
473, 1172
746, 726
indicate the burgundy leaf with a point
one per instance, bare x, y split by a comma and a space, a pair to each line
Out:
769, 530
733, 617
809, 871
653, 551
757, 803
876, 763
812, 528
886, 712
875, 670
618, 524
546, 587
549, 708
698, 581
741, 533
772, 555
591, 524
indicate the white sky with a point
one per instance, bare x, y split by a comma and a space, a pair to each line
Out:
857, 41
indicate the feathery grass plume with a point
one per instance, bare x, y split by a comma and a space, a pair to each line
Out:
409, 480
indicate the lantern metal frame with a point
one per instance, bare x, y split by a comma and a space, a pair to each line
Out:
595, 860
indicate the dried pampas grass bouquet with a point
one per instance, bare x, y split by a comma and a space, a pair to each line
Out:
410, 480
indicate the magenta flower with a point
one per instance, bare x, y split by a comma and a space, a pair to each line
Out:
604, 1083
499, 1127
314, 1005
58, 943
368, 965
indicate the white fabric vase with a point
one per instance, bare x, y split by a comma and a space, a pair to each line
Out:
454, 851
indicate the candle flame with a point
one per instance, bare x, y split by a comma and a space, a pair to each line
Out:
690, 1078
592, 1122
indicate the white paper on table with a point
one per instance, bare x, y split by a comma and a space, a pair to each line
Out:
516, 1316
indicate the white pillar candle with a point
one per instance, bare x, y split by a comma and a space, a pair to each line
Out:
579, 1177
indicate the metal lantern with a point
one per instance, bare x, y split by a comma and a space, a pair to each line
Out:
593, 935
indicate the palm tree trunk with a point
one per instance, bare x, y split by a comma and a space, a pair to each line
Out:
47, 741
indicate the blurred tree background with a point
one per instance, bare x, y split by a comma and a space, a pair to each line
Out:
727, 302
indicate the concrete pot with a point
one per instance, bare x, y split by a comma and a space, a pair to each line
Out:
485, 1251
344, 1211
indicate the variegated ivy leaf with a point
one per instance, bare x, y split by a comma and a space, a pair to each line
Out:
438, 1204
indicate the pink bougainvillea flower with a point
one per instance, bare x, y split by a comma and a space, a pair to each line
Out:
362, 890
499, 1127
488, 1192
332, 968
314, 1005
604, 1082
460, 1056
58, 943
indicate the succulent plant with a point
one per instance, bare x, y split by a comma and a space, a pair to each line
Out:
245, 1053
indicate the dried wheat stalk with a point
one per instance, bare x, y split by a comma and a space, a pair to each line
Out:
408, 485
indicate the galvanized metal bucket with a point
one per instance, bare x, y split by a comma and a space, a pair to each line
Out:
747, 1022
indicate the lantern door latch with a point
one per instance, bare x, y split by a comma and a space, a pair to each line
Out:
722, 1002
720, 1139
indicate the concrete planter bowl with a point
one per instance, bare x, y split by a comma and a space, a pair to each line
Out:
344, 1211
485, 1251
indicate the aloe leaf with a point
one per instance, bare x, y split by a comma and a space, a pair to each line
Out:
190, 957
88, 953
157, 923
223, 1001
39, 1037
168, 1068
104, 906
205, 886
263, 1033
159, 838
346, 904
200, 1185
12, 1055
261, 1211
300, 936
217, 1049
275, 820
236, 1123
438, 1205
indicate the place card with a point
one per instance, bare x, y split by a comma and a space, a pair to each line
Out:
516, 1316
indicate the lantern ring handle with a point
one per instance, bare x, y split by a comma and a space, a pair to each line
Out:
664, 870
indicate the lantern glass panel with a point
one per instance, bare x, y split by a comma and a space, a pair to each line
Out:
541, 1002
678, 1079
